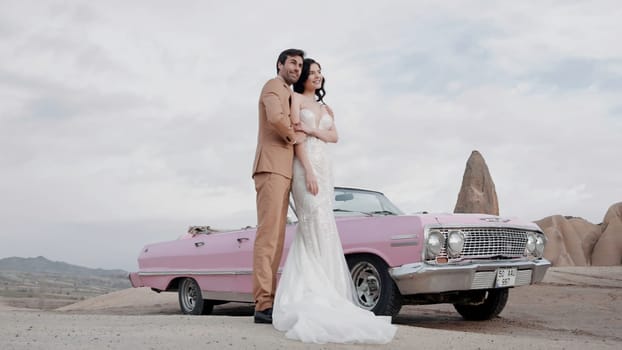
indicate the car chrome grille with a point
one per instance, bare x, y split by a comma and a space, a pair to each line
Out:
484, 242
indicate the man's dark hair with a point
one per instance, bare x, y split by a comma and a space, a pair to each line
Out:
288, 53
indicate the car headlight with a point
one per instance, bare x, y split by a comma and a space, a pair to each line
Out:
530, 247
434, 244
455, 243
540, 243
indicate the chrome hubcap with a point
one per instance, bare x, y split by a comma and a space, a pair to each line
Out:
189, 295
367, 284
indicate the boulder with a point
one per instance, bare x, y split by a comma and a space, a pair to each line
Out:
477, 193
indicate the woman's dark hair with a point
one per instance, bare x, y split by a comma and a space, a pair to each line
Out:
288, 53
299, 86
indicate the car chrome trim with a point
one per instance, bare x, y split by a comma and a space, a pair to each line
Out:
229, 296
419, 278
404, 244
398, 237
196, 272
440, 225
496, 219
404, 237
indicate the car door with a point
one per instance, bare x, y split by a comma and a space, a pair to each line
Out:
246, 241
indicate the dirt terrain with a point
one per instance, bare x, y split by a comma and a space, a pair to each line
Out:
574, 308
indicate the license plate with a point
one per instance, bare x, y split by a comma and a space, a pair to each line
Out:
506, 276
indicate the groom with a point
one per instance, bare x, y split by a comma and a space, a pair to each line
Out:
272, 173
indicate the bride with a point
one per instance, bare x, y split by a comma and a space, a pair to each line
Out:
315, 301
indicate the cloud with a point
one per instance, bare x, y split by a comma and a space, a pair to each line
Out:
128, 122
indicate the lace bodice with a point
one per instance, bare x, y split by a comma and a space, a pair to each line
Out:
319, 157
308, 117
316, 149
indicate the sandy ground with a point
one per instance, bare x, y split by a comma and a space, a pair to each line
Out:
574, 308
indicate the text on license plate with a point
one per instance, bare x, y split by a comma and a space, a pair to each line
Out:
506, 276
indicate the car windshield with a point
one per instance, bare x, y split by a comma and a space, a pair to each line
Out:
355, 202
349, 200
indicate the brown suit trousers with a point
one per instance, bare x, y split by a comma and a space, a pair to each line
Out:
272, 202
272, 172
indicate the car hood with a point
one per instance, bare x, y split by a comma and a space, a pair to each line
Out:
449, 220
453, 220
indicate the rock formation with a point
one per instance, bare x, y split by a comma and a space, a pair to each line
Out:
477, 194
570, 240
575, 241
608, 249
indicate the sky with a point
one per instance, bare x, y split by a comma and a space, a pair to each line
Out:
124, 122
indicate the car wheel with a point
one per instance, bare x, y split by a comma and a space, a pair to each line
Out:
373, 286
190, 299
492, 305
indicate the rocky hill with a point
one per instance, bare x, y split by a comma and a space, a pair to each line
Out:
41, 264
42, 283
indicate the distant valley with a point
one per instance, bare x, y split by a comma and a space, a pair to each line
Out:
44, 284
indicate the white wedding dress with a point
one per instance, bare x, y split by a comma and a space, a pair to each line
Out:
314, 301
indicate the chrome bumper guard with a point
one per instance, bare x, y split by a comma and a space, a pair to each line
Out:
420, 278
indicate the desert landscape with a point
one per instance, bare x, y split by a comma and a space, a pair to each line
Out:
573, 308
578, 305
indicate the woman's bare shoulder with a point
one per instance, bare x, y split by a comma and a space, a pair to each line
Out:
296, 97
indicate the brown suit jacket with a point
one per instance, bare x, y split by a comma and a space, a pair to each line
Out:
275, 150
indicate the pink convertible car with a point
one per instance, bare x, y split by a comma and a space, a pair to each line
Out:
468, 260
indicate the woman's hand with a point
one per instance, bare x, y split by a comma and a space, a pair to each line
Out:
311, 182
304, 128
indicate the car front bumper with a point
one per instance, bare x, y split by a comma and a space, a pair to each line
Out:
420, 278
